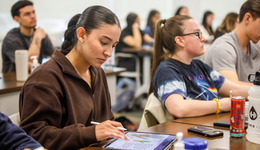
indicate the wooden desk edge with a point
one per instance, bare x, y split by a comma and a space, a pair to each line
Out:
9, 90
115, 71
13, 87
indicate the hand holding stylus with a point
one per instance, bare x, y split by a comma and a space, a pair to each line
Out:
109, 129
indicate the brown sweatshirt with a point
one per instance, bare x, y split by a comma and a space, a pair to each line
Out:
56, 105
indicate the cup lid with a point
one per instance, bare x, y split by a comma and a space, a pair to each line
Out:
195, 143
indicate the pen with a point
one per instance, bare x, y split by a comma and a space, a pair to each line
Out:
120, 128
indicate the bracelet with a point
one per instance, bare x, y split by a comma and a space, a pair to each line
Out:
218, 105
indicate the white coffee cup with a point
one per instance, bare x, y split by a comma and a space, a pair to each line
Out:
21, 65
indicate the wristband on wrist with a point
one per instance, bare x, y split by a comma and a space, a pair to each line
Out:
218, 105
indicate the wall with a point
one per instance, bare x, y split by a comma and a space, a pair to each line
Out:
53, 15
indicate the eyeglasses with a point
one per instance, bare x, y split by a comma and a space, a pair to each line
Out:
197, 33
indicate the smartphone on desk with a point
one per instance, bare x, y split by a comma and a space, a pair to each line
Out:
225, 123
222, 123
206, 131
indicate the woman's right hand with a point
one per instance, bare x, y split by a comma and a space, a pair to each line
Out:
108, 129
225, 104
135, 26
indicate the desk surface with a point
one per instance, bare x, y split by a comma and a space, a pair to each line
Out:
223, 142
8, 81
207, 120
181, 125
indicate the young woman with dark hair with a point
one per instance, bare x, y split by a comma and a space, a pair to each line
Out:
62, 96
153, 18
206, 26
183, 10
132, 36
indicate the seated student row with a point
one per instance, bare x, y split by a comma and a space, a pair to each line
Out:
62, 116
57, 115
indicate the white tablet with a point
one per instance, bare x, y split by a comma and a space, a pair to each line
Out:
142, 141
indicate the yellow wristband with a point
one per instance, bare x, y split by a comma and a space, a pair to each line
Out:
218, 105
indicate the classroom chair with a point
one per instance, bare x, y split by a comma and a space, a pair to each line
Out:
15, 118
154, 113
130, 74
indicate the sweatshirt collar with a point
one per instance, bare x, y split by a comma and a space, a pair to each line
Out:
66, 65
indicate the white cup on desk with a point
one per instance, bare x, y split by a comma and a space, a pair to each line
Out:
21, 64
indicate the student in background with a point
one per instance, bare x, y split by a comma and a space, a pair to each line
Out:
228, 24
12, 137
207, 32
153, 18
235, 55
187, 87
206, 26
131, 37
27, 36
183, 10
62, 96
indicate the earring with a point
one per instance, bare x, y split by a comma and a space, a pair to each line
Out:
81, 40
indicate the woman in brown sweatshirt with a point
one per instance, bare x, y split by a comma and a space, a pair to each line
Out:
62, 96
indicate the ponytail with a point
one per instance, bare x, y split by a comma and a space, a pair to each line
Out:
164, 41
158, 53
70, 38
91, 18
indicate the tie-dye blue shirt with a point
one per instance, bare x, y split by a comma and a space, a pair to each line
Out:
194, 81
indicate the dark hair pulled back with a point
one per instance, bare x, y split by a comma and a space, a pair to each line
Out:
91, 18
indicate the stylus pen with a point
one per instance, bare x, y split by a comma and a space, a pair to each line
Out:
120, 128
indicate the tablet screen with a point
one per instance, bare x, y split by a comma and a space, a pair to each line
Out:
142, 141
